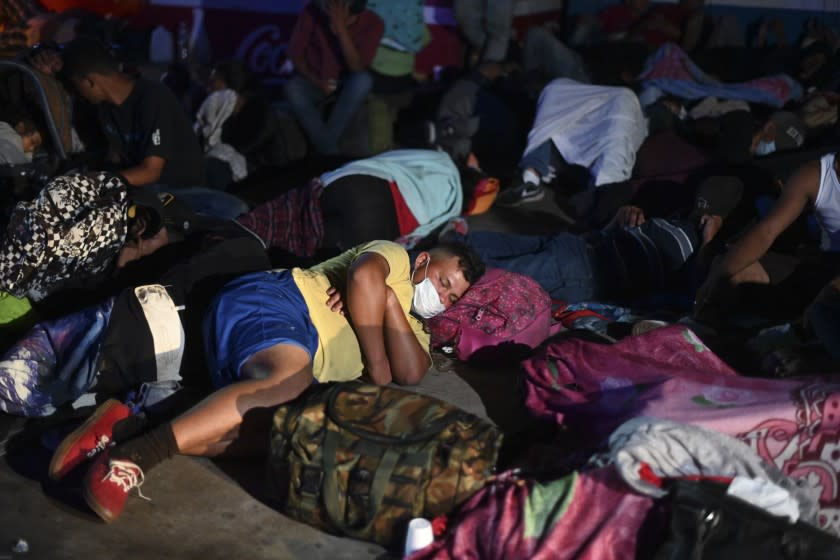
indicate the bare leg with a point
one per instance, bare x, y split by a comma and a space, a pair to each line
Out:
276, 375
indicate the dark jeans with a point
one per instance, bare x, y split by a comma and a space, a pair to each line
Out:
563, 264
305, 99
208, 202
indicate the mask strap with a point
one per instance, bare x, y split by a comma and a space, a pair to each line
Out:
425, 272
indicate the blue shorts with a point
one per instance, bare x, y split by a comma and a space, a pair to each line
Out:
252, 313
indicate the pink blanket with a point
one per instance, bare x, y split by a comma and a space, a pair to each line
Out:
668, 373
591, 515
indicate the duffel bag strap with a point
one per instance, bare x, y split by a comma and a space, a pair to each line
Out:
335, 512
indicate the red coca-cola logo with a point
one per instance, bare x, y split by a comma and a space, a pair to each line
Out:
264, 52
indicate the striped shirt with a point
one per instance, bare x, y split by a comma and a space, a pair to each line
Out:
652, 256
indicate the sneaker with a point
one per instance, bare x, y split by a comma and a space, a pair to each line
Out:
107, 484
88, 440
520, 194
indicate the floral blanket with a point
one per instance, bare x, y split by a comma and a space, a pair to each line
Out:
669, 373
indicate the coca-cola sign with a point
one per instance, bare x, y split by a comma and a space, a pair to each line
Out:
263, 51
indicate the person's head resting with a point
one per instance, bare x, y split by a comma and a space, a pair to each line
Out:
30, 135
229, 74
450, 268
782, 131
88, 64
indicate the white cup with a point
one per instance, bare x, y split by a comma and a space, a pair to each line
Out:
419, 535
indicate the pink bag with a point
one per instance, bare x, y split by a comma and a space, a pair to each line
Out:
502, 313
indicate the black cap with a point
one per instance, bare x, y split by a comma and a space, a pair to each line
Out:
718, 195
159, 209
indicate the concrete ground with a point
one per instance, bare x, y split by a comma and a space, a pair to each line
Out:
208, 510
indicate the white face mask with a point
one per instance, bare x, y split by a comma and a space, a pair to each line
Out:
765, 148
426, 301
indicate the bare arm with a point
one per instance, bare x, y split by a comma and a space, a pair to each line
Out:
147, 173
366, 306
400, 340
801, 189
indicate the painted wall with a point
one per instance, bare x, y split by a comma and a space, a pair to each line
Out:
794, 13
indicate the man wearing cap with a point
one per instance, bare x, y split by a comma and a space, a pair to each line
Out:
749, 261
783, 131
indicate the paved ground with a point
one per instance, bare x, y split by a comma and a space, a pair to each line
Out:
201, 509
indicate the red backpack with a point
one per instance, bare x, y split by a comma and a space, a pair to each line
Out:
504, 312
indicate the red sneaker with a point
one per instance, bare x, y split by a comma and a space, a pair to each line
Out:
88, 440
107, 484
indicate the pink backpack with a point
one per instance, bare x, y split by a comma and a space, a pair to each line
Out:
503, 312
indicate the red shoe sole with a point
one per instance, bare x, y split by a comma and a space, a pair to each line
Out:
73, 437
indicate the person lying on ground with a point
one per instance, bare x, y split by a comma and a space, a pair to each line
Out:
631, 258
750, 261
268, 337
597, 127
130, 336
410, 192
150, 138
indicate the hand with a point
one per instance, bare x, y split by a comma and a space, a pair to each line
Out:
47, 61
711, 224
628, 217
339, 13
328, 86
335, 301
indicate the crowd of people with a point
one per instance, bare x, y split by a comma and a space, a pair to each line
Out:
697, 191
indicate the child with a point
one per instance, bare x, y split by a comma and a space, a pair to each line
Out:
19, 138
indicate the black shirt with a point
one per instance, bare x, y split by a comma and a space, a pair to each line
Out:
193, 271
151, 122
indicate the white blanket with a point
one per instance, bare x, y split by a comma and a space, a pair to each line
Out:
598, 127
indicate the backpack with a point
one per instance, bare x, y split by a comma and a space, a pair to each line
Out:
503, 312
362, 460
71, 232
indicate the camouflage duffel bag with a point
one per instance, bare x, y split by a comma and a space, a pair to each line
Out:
362, 460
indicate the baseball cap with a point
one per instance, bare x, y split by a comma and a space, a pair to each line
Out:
717, 195
159, 209
790, 130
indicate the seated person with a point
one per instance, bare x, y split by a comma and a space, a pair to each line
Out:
19, 138
332, 46
270, 335
411, 192
597, 127
150, 138
239, 130
631, 257
751, 262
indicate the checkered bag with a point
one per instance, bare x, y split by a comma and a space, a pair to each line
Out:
73, 229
